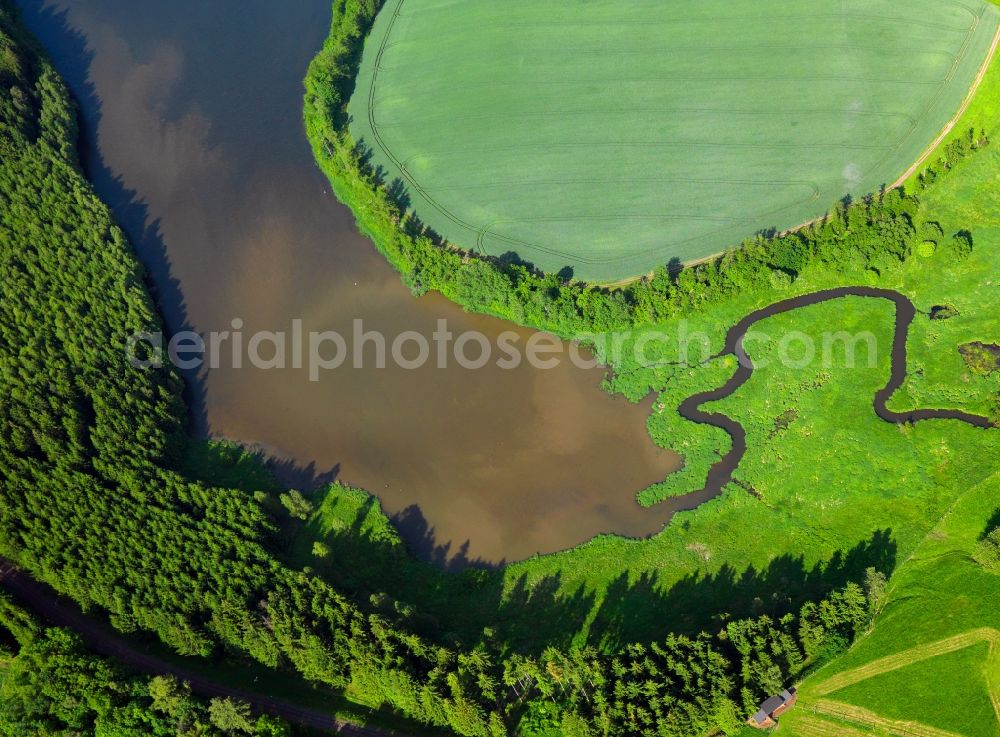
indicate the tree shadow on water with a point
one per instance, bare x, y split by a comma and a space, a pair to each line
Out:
422, 540
304, 477
70, 53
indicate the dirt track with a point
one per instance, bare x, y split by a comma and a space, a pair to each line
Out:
876, 723
909, 657
958, 116
44, 602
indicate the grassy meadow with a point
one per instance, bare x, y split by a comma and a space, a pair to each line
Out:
939, 592
574, 137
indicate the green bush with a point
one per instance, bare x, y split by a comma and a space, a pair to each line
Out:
988, 551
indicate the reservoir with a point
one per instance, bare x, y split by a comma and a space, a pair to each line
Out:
192, 133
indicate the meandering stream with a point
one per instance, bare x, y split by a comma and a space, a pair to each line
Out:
722, 472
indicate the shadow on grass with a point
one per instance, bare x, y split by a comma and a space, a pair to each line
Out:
367, 558
992, 524
633, 610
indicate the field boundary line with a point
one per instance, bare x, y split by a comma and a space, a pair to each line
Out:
383, 144
992, 674
977, 18
860, 716
909, 657
950, 126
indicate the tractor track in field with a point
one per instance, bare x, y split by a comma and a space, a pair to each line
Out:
909, 657
928, 152
816, 724
958, 116
813, 726
874, 722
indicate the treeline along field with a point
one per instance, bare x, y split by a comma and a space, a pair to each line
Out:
607, 140
94, 502
555, 301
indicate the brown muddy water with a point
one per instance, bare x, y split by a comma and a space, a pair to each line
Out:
192, 133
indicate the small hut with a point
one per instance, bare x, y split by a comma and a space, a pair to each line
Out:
772, 708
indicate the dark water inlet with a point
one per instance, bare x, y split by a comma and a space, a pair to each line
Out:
192, 123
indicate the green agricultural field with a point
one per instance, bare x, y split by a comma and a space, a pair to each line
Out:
947, 692
612, 138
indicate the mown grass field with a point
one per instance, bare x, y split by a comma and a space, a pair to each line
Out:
948, 692
938, 594
610, 139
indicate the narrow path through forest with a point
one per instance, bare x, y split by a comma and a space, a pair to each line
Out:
45, 603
